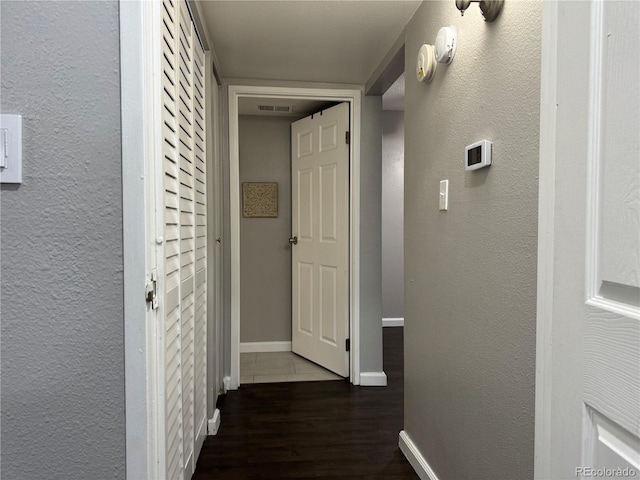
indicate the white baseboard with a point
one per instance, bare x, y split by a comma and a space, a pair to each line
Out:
226, 383
214, 423
251, 347
373, 379
415, 458
393, 322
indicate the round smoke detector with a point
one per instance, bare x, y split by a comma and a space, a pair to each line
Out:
445, 45
426, 63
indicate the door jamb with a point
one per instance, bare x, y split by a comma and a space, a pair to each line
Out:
214, 243
353, 97
546, 245
139, 40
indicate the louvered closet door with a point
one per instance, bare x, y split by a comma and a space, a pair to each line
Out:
185, 245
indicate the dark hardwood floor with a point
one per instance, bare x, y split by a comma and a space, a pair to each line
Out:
310, 430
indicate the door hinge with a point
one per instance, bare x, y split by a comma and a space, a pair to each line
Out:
347, 138
347, 344
151, 290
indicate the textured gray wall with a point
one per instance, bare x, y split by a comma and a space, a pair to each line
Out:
392, 214
470, 288
61, 275
371, 235
265, 253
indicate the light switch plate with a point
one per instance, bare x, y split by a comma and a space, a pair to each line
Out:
444, 194
10, 148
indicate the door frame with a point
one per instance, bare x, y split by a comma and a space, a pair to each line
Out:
546, 233
140, 45
214, 233
354, 98
139, 41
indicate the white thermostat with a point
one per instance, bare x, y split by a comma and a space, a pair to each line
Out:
478, 155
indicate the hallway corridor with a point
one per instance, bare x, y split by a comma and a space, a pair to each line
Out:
310, 430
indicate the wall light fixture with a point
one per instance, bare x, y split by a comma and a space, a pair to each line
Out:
490, 8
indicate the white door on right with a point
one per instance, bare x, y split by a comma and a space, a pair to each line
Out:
320, 226
593, 388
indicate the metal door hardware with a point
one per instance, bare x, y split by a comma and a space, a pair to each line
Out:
151, 291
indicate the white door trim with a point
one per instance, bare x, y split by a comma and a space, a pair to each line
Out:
546, 232
139, 40
214, 248
338, 95
546, 245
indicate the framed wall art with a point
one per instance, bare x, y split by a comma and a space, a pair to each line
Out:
259, 199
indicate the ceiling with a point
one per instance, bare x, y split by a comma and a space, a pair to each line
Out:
305, 40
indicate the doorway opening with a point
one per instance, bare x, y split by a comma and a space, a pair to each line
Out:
270, 240
393, 204
239, 97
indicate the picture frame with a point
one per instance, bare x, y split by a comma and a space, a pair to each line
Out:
260, 199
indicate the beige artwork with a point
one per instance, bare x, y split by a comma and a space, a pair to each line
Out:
260, 199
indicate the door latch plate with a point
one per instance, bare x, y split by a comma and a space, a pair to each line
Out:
151, 289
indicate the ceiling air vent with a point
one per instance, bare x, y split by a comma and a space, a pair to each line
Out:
276, 108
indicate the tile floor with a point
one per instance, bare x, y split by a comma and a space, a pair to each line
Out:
273, 367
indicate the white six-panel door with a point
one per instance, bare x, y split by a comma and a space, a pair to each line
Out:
588, 408
183, 303
320, 221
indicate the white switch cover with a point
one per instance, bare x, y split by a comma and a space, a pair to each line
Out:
10, 149
444, 194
